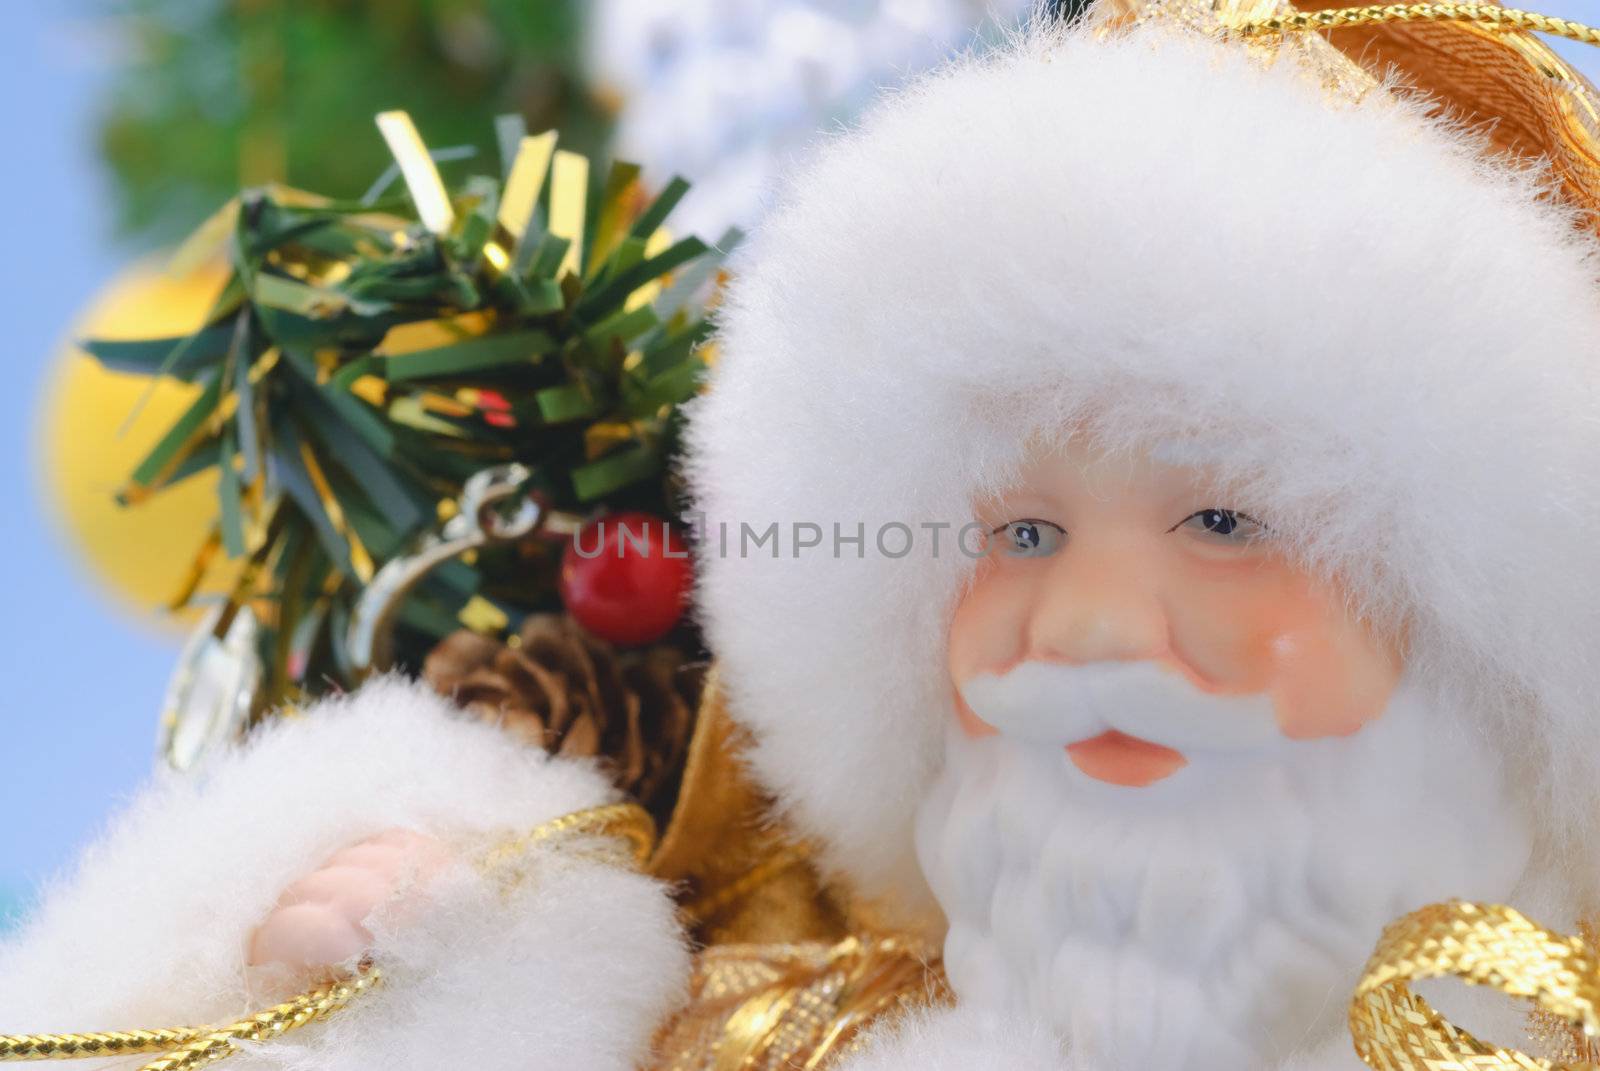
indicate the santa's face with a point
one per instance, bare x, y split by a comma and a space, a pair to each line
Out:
1173, 816
1122, 592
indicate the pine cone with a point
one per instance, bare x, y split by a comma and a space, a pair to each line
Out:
557, 687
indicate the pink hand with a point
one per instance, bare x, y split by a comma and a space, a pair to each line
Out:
319, 920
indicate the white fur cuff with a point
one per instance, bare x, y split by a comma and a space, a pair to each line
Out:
961, 1039
572, 968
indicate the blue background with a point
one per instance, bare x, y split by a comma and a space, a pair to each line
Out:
82, 683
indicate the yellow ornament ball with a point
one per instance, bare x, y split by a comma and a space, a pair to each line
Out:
141, 553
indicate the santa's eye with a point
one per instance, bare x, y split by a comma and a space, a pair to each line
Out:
1029, 538
1223, 525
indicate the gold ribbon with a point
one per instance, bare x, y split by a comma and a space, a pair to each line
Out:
1492, 16
1482, 944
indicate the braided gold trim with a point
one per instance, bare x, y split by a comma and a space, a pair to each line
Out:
190, 1047
1492, 16
1395, 1030
18, 1047
627, 822
274, 1022
188, 1043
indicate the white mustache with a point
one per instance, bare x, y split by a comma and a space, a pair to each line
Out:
1049, 703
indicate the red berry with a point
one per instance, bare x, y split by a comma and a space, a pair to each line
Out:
626, 578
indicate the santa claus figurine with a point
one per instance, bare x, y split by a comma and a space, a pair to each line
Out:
1149, 489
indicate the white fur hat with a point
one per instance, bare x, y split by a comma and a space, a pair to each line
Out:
1388, 338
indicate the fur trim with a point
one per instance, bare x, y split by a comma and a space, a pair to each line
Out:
1388, 340
960, 1039
584, 958
966, 1038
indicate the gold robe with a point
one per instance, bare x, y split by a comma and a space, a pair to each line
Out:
790, 971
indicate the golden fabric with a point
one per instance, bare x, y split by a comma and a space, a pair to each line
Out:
741, 877
779, 1007
1527, 100
787, 977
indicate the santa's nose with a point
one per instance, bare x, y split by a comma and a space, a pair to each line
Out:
1098, 604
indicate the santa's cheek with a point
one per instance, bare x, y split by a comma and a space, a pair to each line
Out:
988, 634
1265, 628
1321, 688
1229, 652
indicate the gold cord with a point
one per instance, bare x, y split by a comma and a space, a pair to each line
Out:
1490, 15
627, 822
307, 1008
1482, 944
181, 1041
189, 1047
17, 1047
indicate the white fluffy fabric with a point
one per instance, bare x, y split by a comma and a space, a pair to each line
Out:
967, 1038
1220, 917
964, 1038
572, 969
1390, 340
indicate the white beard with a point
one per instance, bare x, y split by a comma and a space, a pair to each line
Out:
1219, 918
